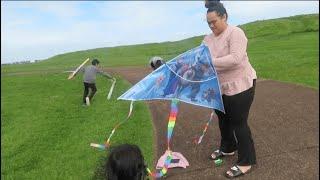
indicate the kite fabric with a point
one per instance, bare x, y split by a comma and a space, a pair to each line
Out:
189, 77
181, 160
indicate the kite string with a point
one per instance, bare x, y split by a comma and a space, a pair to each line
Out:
171, 124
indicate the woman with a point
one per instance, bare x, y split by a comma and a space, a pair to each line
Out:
228, 45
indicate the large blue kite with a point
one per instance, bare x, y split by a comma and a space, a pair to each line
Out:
189, 77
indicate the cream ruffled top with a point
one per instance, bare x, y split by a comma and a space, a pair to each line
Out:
229, 55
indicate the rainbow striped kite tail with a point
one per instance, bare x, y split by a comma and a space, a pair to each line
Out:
107, 144
175, 101
204, 130
164, 170
99, 146
153, 175
104, 146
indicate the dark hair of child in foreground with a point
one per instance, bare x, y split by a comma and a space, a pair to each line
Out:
126, 162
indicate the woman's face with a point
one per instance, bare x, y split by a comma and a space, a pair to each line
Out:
216, 23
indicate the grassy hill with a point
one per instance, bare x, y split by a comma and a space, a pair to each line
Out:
45, 132
289, 44
282, 26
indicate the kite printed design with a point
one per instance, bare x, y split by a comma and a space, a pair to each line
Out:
190, 77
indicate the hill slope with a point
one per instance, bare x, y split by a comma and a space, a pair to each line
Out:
283, 43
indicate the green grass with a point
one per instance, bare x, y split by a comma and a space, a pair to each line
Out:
282, 26
45, 132
297, 63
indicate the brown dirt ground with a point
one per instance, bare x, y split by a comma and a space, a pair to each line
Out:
284, 120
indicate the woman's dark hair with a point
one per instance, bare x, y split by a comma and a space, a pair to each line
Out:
216, 6
126, 162
95, 62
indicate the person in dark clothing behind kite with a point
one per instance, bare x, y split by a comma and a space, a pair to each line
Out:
155, 62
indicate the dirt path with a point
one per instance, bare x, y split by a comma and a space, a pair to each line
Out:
284, 121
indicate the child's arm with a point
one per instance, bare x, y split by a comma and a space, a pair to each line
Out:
105, 74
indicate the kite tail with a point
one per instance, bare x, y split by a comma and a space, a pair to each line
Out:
205, 129
107, 143
164, 170
171, 124
111, 89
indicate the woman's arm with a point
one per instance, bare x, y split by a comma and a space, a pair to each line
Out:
238, 49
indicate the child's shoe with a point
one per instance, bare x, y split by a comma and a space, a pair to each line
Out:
87, 101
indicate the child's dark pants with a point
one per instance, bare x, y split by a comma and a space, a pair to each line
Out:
93, 88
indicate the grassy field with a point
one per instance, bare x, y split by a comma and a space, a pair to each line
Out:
298, 63
45, 132
286, 49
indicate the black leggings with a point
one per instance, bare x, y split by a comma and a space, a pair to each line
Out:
86, 90
234, 129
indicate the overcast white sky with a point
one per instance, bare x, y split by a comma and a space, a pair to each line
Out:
41, 29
